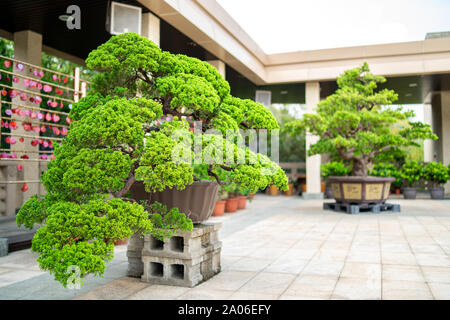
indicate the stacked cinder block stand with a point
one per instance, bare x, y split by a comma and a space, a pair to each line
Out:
186, 259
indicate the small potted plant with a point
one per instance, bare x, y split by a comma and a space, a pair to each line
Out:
332, 169
232, 201
242, 197
436, 174
219, 209
273, 190
290, 191
411, 174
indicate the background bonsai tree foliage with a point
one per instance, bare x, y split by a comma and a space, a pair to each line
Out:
333, 169
411, 173
120, 134
354, 122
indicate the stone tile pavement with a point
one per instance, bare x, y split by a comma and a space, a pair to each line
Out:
287, 248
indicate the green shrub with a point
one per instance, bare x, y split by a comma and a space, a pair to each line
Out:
411, 173
334, 169
387, 170
436, 174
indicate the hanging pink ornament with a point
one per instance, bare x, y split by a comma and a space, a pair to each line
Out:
43, 129
21, 113
19, 67
67, 120
33, 115
35, 72
34, 143
39, 86
47, 88
19, 167
8, 112
32, 84
21, 139
12, 93
45, 144
56, 131
23, 97
44, 157
31, 99
37, 100
25, 157
41, 74
61, 105
37, 129
15, 79
13, 156
7, 63
54, 104
48, 117
26, 126
49, 102
26, 82
3, 155
56, 118
27, 113
52, 157
64, 131
39, 115
4, 92
24, 187
55, 77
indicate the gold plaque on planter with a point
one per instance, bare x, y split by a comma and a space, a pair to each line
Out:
387, 187
374, 191
352, 190
336, 190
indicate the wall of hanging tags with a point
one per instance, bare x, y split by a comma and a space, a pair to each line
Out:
34, 113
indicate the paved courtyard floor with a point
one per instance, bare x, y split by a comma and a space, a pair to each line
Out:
286, 248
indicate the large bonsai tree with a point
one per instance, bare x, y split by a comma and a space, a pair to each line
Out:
356, 122
139, 111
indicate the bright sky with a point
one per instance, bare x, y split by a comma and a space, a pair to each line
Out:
293, 25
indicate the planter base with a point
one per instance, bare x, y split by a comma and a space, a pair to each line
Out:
363, 208
186, 259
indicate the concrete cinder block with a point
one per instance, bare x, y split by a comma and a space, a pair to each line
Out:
3, 247
186, 259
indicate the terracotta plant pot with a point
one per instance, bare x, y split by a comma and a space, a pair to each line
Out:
273, 190
242, 202
231, 204
121, 242
250, 196
197, 200
219, 208
360, 190
303, 187
322, 187
290, 191
397, 191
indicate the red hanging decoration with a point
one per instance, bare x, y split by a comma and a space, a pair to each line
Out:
24, 187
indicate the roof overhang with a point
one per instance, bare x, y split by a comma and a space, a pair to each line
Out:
208, 24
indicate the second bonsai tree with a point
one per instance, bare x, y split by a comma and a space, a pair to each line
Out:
356, 123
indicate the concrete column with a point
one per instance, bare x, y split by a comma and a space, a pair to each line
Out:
151, 27
313, 181
445, 118
428, 154
219, 65
27, 48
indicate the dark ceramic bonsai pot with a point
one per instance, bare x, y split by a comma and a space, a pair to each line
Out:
437, 193
197, 200
409, 193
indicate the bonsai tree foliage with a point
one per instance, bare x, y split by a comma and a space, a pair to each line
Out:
354, 123
137, 115
436, 174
